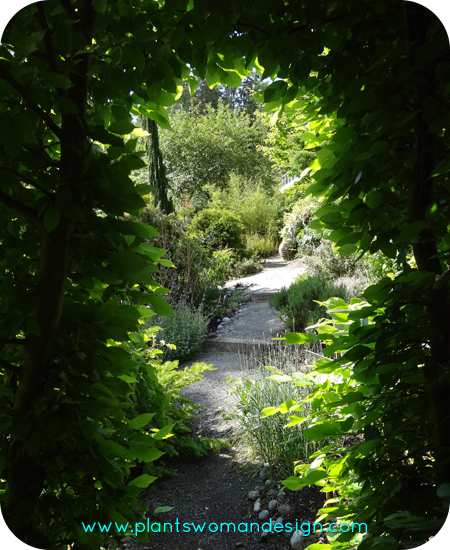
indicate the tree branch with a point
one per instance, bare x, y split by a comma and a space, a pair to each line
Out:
18, 207
53, 127
26, 180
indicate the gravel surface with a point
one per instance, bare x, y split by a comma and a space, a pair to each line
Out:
257, 321
276, 274
215, 489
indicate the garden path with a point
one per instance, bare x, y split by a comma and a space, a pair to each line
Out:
215, 488
256, 323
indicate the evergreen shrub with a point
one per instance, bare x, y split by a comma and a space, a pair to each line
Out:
297, 303
218, 229
323, 261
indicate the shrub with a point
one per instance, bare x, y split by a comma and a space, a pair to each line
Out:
261, 246
326, 263
297, 219
378, 265
184, 330
192, 261
267, 438
257, 207
156, 391
354, 284
218, 229
297, 303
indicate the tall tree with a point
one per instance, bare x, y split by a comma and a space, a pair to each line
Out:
207, 148
156, 169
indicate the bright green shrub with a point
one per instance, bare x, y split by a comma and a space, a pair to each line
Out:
258, 207
261, 246
218, 229
297, 303
156, 391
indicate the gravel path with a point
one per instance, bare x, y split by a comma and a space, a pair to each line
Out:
276, 274
215, 489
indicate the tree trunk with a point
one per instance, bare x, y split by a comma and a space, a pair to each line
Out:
26, 475
421, 197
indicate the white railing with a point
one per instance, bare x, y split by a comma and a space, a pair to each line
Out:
287, 180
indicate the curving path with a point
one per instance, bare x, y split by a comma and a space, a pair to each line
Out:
215, 488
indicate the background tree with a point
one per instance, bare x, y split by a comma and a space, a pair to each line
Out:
204, 149
237, 98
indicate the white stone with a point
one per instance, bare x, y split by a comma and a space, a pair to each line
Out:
264, 515
297, 540
272, 505
257, 507
253, 495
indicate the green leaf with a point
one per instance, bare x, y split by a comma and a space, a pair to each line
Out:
66, 106
11, 135
286, 406
193, 84
133, 162
374, 199
51, 219
143, 189
232, 79
128, 379
294, 420
293, 483
164, 433
269, 411
130, 145
340, 233
443, 490
347, 249
297, 338
162, 509
147, 455
166, 263
380, 147
160, 306
410, 232
313, 477
142, 481
100, 6
121, 127
141, 420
